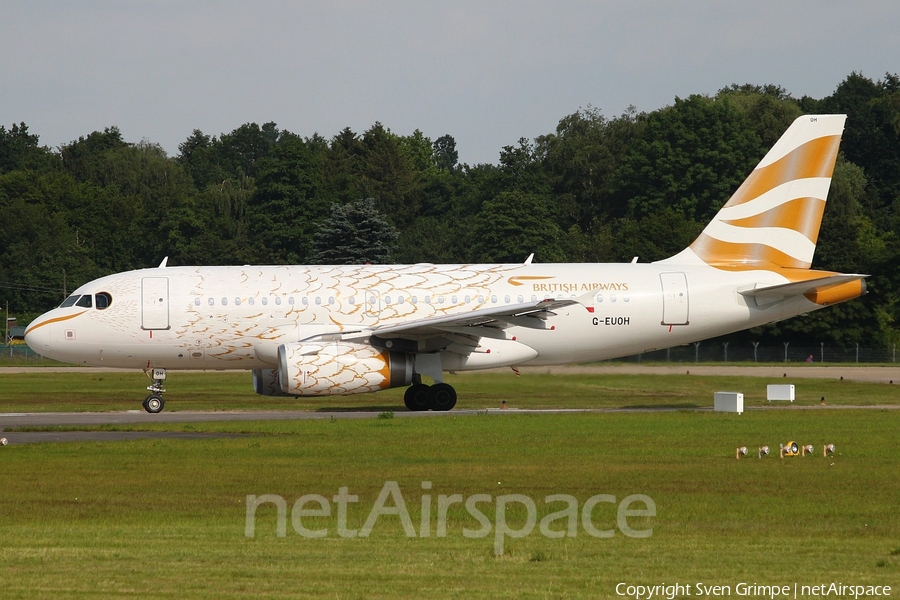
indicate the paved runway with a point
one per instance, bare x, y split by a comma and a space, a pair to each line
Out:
16, 420
74, 419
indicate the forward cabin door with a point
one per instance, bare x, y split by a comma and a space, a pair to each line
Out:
676, 303
155, 303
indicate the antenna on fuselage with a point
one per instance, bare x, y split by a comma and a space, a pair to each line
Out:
162, 265
529, 259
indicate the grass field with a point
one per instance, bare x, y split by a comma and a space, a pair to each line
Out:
167, 517
40, 391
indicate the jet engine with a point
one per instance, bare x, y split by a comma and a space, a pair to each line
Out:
266, 382
340, 368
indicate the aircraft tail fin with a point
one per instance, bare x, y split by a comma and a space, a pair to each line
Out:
772, 221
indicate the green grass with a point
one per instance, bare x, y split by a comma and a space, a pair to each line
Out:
166, 517
37, 391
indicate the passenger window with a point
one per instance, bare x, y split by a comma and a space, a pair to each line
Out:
85, 301
103, 300
196, 302
70, 301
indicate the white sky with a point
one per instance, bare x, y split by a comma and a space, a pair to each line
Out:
485, 72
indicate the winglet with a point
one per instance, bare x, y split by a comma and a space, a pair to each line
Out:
587, 300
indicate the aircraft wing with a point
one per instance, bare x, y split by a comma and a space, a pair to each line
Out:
525, 314
474, 324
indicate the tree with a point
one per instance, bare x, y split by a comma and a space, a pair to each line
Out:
353, 234
20, 150
514, 225
769, 109
581, 159
389, 175
242, 150
287, 202
445, 154
690, 157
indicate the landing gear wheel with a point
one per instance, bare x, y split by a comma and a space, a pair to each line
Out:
416, 397
154, 404
441, 396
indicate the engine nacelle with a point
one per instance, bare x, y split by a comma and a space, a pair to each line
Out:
340, 368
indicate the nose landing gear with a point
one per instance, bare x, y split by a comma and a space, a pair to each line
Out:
154, 403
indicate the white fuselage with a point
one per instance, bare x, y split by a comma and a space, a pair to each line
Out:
237, 317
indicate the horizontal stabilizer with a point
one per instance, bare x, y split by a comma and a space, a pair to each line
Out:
797, 288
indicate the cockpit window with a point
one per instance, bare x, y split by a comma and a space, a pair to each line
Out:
103, 300
70, 301
85, 301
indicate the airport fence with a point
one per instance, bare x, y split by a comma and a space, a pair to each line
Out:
713, 351
18, 353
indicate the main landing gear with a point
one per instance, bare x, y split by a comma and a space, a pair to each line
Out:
440, 396
154, 403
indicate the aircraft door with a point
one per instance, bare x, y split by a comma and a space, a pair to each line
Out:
155, 303
676, 303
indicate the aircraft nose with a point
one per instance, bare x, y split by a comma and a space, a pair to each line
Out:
37, 334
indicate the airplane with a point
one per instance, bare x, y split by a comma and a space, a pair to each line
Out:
337, 330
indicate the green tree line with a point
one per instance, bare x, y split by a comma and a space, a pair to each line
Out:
597, 189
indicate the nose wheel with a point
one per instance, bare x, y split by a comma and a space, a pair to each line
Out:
154, 403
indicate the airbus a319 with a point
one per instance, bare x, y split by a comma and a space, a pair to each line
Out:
336, 330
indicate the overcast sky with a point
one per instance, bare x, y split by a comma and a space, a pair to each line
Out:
487, 73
